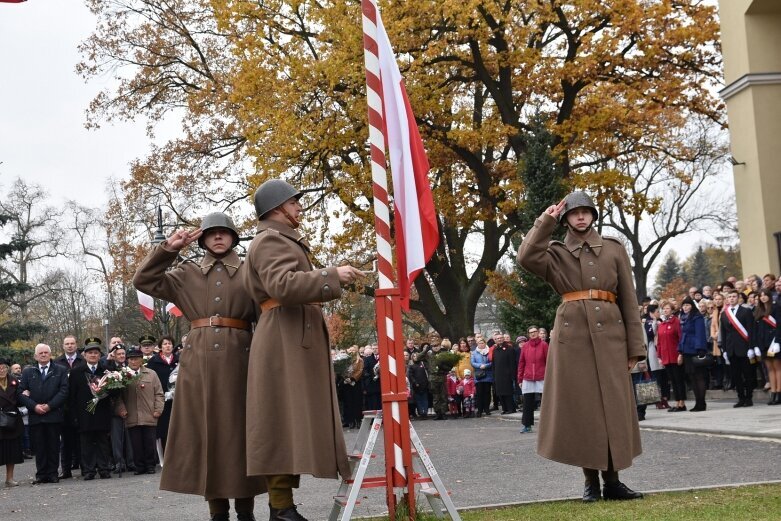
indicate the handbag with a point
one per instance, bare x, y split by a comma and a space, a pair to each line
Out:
8, 419
705, 360
480, 374
647, 391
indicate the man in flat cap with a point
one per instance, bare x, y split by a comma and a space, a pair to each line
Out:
93, 427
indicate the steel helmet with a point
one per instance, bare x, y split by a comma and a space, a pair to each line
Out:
578, 200
273, 193
218, 220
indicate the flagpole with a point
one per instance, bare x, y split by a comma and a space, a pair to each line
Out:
398, 454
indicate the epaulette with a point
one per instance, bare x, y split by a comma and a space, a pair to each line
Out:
559, 243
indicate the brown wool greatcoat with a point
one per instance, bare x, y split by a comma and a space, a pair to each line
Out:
293, 424
589, 405
206, 452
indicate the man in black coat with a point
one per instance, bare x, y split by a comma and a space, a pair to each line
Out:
371, 381
93, 427
70, 458
44, 392
737, 324
505, 373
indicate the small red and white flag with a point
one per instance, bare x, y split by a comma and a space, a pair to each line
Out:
417, 232
173, 310
147, 305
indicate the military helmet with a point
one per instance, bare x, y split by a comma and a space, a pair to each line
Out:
578, 199
218, 220
273, 193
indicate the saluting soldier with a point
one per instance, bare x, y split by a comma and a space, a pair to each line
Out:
588, 417
293, 424
205, 454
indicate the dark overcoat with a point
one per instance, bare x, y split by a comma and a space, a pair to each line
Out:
79, 394
206, 449
9, 402
293, 424
505, 368
52, 391
589, 408
163, 370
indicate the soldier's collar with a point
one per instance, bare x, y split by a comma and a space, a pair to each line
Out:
283, 229
231, 262
575, 244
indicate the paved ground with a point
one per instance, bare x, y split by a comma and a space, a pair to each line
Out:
482, 461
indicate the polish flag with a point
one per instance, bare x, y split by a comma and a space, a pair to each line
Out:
417, 233
147, 305
173, 310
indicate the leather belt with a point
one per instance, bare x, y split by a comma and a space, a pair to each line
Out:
269, 304
272, 303
216, 321
590, 294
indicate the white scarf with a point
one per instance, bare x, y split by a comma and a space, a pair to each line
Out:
483, 352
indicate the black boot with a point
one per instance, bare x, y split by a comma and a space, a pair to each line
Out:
286, 514
245, 516
615, 490
220, 516
778, 399
591, 492
773, 397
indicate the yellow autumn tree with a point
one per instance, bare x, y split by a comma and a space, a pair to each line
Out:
275, 88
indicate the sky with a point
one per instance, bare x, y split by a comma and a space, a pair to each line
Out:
43, 103
42, 112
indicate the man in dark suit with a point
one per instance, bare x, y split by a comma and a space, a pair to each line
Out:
44, 392
737, 323
371, 381
69, 454
93, 427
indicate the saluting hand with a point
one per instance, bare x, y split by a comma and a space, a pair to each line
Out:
555, 210
181, 238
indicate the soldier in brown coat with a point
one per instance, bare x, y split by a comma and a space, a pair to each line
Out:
293, 424
206, 450
588, 417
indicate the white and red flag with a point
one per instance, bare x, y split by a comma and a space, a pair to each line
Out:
147, 305
417, 233
173, 310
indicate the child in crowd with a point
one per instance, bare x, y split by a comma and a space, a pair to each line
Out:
454, 398
468, 394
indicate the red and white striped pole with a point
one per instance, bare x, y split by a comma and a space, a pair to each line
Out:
398, 459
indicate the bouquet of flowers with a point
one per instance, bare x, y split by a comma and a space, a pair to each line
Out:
343, 365
169, 394
100, 386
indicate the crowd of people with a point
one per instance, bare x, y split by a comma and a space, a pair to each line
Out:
694, 344
63, 415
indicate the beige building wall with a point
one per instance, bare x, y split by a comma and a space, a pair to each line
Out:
751, 45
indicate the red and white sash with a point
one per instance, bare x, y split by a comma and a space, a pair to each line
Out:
736, 323
771, 321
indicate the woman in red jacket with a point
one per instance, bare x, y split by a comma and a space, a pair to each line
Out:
668, 337
531, 374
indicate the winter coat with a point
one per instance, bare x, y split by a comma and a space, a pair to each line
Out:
202, 456
141, 399
79, 394
505, 369
469, 386
9, 402
418, 378
531, 365
478, 360
464, 364
764, 334
52, 391
589, 409
668, 337
452, 383
693, 340
293, 421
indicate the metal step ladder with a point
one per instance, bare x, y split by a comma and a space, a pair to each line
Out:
361, 454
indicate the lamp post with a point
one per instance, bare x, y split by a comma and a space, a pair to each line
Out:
158, 239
